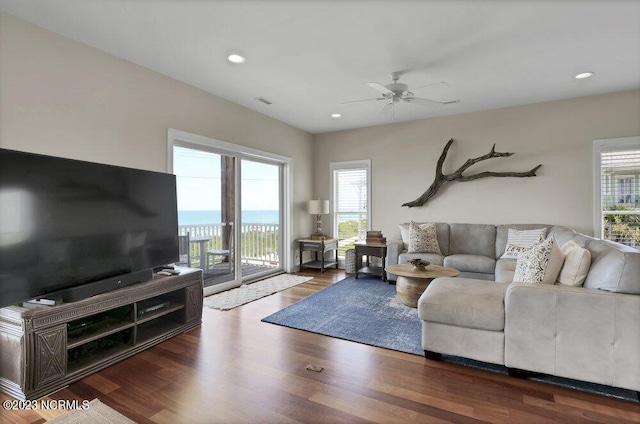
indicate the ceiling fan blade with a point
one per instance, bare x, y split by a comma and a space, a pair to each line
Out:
379, 87
443, 83
427, 102
386, 107
362, 100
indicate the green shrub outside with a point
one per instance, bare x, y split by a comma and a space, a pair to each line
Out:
349, 230
622, 228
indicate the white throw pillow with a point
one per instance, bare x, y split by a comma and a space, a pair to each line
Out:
576, 264
540, 263
518, 240
423, 238
404, 234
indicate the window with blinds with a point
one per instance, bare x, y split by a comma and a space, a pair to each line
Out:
350, 203
620, 193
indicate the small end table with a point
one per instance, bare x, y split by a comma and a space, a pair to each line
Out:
318, 246
378, 250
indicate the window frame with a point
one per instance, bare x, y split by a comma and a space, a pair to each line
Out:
346, 165
599, 147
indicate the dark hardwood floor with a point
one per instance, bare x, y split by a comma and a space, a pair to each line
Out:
236, 369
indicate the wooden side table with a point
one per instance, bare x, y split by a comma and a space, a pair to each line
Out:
321, 247
378, 250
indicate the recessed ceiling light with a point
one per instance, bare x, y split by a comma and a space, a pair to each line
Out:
236, 58
335, 115
584, 75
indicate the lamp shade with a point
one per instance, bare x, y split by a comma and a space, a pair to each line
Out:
318, 207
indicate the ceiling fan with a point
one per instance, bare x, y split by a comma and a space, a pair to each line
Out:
397, 92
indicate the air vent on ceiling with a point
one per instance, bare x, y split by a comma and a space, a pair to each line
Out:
263, 100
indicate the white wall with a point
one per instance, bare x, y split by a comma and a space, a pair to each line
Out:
63, 98
559, 135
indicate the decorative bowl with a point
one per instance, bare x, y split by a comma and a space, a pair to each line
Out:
419, 264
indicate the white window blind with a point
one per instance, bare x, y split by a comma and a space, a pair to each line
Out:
620, 195
350, 205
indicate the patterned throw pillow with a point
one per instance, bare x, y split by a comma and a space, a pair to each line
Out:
540, 263
519, 240
423, 238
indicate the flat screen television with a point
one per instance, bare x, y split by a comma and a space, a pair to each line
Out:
71, 229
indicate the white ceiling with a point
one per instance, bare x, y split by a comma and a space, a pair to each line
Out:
309, 56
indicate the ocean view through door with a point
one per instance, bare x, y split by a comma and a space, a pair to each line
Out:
261, 205
212, 186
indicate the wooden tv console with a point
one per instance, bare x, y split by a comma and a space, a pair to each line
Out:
44, 349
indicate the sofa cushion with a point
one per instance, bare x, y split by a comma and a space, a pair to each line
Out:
422, 238
471, 263
576, 264
540, 263
562, 234
477, 276
472, 239
518, 240
614, 267
464, 302
505, 270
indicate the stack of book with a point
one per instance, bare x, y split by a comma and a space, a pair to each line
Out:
375, 237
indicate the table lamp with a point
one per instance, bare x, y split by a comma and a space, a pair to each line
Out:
318, 208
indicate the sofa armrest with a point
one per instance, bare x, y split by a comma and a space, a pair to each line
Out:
574, 332
394, 249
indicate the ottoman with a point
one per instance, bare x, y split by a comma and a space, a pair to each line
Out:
463, 317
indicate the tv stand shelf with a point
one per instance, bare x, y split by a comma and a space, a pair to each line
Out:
44, 349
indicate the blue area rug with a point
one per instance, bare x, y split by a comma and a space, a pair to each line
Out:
367, 311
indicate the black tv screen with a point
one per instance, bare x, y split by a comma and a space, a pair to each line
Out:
67, 223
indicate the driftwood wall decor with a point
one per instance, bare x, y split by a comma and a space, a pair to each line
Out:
441, 179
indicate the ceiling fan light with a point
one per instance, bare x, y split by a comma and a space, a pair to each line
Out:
584, 75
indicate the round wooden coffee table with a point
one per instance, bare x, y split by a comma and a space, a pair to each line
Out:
412, 282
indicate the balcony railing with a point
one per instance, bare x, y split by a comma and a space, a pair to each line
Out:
622, 226
260, 243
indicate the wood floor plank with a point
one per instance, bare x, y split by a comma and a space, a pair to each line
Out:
603, 409
101, 383
483, 411
236, 369
587, 413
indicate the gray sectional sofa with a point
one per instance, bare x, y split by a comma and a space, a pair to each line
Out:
589, 333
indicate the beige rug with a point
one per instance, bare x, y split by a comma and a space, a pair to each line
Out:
96, 413
254, 291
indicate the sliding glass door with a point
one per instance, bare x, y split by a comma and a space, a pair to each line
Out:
261, 217
229, 214
206, 211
